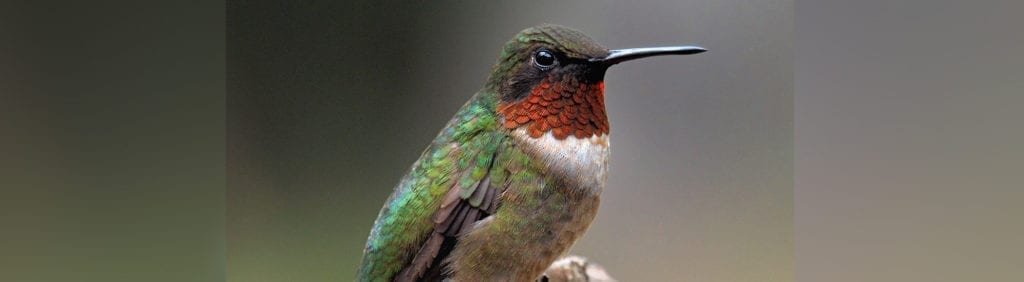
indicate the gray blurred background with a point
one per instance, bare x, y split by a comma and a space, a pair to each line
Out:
329, 102
910, 142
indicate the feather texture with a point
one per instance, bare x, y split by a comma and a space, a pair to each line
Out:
447, 190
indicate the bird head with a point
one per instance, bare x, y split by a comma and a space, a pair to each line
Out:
550, 78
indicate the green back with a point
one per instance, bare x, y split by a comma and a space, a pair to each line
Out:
458, 157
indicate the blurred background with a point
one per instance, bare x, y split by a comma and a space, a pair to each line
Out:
112, 141
907, 119
909, 141
330, 102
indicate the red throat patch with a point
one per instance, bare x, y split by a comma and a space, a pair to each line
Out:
564, 108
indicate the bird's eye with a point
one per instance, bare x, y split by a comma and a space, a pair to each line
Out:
544, 59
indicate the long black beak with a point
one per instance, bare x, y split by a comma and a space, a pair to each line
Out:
622, 55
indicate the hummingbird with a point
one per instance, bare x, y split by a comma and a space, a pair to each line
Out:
515, 177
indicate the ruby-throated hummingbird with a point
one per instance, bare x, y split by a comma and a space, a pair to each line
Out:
515, 177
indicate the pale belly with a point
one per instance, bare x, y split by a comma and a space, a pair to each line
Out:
534, 227
583, 162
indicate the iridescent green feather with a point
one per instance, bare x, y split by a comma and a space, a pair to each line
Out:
460, 156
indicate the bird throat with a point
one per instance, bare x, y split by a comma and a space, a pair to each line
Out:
563, 107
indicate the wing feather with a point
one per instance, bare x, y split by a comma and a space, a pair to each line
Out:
452, 186
459, 211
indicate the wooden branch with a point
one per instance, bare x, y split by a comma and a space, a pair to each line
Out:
576, 269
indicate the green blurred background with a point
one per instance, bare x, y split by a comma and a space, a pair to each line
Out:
329, 102
112, 141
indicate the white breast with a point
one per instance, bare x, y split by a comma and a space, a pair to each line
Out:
584, 162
